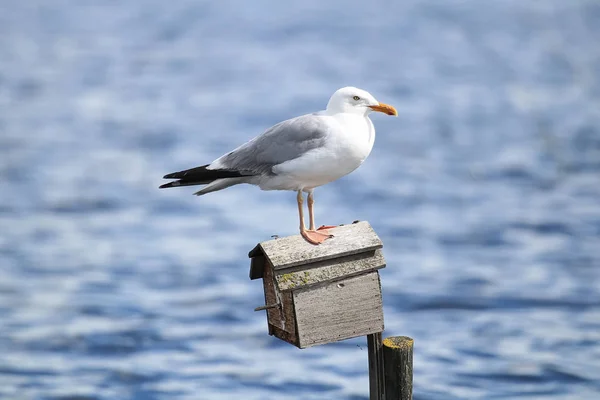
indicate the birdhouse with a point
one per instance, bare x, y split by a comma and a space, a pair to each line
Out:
325, 293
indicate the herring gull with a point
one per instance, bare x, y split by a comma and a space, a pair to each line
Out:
298, 154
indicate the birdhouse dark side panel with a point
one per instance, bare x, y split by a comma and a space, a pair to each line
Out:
339, 310
274, 315
281, 320
289, 331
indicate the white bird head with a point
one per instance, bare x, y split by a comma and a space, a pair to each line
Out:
357, 101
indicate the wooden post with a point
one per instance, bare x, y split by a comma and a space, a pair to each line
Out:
376, 373
398, 366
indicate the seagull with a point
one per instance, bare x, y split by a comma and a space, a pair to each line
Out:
297, 154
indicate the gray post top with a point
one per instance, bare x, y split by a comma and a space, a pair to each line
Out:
294, 251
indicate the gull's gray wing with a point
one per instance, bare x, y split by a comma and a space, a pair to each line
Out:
283, 142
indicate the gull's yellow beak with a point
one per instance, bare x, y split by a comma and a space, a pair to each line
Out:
385, 108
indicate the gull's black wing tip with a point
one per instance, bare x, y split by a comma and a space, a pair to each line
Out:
168, 185
200, 176
187, 174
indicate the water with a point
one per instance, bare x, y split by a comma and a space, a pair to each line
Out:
485, 192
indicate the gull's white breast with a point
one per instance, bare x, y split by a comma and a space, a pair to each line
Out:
349, 142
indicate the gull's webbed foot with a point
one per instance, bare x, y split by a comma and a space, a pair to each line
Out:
315, 237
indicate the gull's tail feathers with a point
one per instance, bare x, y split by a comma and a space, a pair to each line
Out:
204, 176
220, 184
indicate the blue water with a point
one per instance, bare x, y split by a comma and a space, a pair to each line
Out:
485, 191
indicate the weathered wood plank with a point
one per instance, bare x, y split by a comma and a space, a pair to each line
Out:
274, 315
329, 270
283, 335
398, 367
339, 310
289, 319
291, 251
376, 372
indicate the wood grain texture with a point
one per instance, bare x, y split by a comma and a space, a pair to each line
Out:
339, 310
289, 317
294, 250
283, 335
398, 367
274, 315
376, 372
329, 270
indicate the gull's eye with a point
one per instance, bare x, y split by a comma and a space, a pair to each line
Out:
356, 98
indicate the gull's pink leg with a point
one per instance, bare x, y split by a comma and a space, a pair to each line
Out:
311, 215
311, 236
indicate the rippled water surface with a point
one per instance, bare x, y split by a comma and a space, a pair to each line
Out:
485, 192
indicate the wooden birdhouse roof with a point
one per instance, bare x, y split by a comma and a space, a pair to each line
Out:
354, 249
